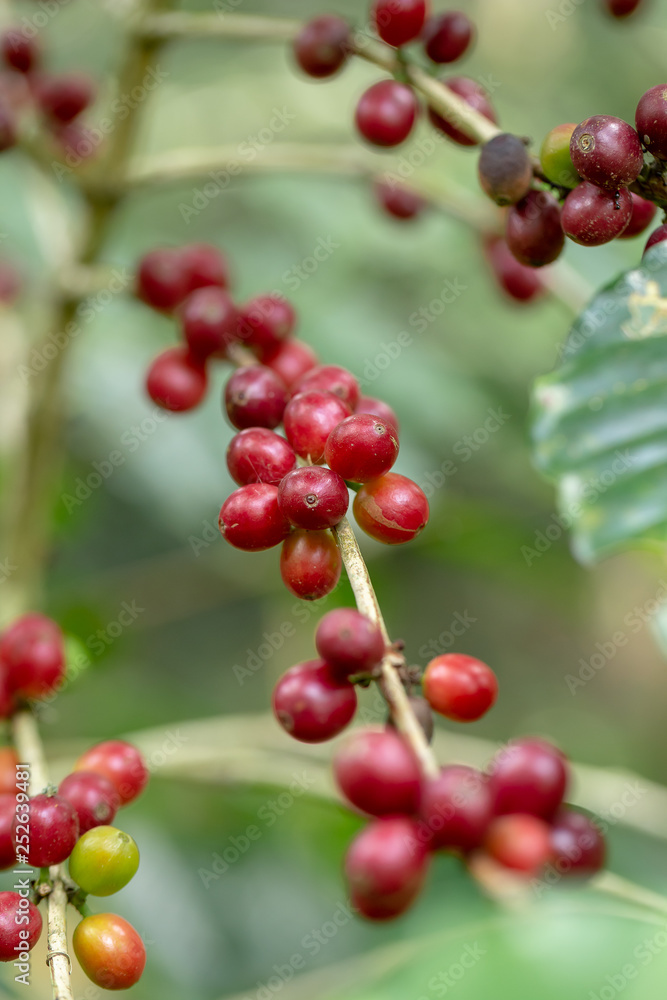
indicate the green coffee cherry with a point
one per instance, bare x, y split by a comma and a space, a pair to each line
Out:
103, 860
555, 156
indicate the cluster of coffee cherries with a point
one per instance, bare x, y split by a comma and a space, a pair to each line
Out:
58, 98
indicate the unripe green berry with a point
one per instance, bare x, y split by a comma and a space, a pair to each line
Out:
104, 860
555, 156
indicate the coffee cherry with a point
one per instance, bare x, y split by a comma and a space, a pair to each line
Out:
255, 397
349, 642
423, 713
447, 37
386, 113
93, 796
109, 951
378, 408
456, 808
505, 169
204, 265
520, 842
8, 764
606, 151
398, 22
121, 763
331, 378
555, 158
8, 127
657, 236
310, 564
266, 322
533, 230
162, 281
209, 321
460, 687
14, 925
19, 52
385, 867
251, 519
312, 704
291, 360
621, 8
53, 830
7, 813
651, 120
592, 216
521, 283
65, 96
309, 419
313, 498
577, 845
398, 200
529, 776
474, 95
322, 46
176, 380
643, 212
361, 447
257, 455
391, 509
104, 860
377, 773
33, 655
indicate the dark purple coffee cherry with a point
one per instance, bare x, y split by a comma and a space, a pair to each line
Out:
651, 120
505, 169
606, 151
534, 233
592, 216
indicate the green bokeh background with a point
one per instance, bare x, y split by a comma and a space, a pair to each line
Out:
147, 534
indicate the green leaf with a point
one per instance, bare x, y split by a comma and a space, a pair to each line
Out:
600, 420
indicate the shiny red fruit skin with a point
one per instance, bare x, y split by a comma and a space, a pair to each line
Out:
386, 113
7, 813
577, 845
53, 830
290, 361
606, 151
361, 448
456, 809
251, 519
122, 763
258, 455
651, 120
398, 22
474, 95
391, 509
447, 37
519, 282
12, 943
309, 419
255, 397
176, 381
313, 498
398, 200
658, 235
33, 655
310, 564
204, 265
331, 378
312, 704
377, 772
385, 868
162, 282
266, 322
590, 215
521, 842
533, 229
322, 46
378, 408
349, 642
460, 687
643, 213
109, 951
528, 776
93, 796
209, 321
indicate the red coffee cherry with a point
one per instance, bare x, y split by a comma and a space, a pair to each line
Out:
529, 776
313, 498
592, 216
309, 419
606, 151
251, 519
385, 868
13, 912
460, 687
520, 842
448, 36
331, 378
33, 655
651, 120
204, 265
258, 455
533, 229
18, 51
255, 397
577, 845
121, 763
398, 22
209, 322
7, 813
505, 169
643, 212
162, 281
290, 361
391, 509
93, 796
474, 95
109, 951
377, 773
176, 380
66, 95
349, 642
657, 236
8, 127
386, 113
361, 448
310, 564
456, 809
621, 8
398, 200
322, 46
378, 408
265, 323
521, 283
52, 830
312, 704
